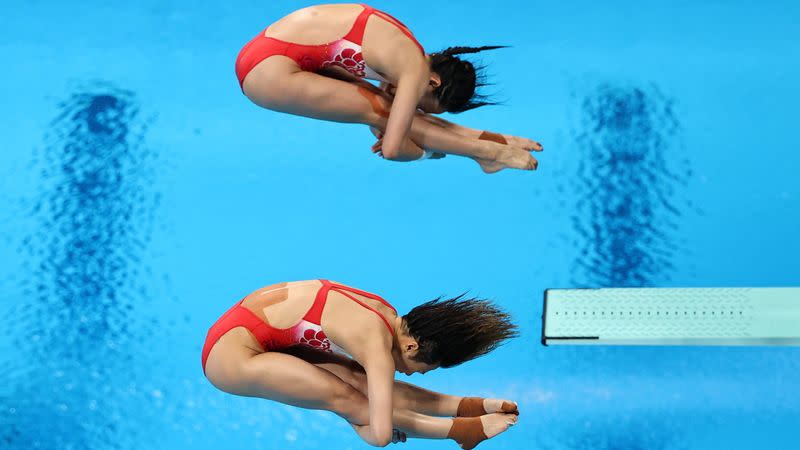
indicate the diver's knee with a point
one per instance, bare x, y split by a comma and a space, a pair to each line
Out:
358, 378
226, 377
347, 401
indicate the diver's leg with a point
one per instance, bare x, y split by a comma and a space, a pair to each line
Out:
240, 370
277, 83
406, 395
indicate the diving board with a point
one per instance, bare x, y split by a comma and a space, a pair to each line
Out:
671, 316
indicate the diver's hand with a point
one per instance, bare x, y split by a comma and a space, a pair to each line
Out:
377, 147
398, 436
388, 89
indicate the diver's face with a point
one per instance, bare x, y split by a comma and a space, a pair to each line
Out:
410, 366
421, 368
429, 103
404, 357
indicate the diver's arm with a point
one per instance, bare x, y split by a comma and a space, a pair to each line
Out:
375, 356
410, 86
491, 155
410, 151
423, 133
463, 131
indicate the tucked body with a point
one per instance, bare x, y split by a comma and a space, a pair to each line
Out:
320, 344
313, 63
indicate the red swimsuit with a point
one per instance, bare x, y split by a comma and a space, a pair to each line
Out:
344, 52
307, 331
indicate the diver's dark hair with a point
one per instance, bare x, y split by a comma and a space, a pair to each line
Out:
450, 332
460, 78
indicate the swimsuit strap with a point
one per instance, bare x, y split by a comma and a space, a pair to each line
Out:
369, 295
343, 290
356, 33
391, 19
314, 314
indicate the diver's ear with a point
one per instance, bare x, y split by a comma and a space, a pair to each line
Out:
435, 80
411, 346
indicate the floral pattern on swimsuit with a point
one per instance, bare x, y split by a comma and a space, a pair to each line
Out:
348, 56
311, 335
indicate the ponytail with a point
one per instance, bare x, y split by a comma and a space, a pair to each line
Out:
462, 50
459, 78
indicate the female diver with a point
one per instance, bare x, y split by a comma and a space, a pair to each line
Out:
313, 63
322, 345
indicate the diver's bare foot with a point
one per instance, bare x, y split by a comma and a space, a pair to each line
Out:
478, 406
509, 158
528, 144
496, 423
468, 432
516, 158
491, 405
489, 166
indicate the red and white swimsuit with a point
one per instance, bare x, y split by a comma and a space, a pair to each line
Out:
307, 332
344, 52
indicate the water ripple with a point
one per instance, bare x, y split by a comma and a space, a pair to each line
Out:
74, 329
629, 172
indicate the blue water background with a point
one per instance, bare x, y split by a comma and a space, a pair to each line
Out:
141, 194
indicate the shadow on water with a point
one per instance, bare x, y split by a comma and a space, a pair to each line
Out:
626, 188
74, 329
619, 432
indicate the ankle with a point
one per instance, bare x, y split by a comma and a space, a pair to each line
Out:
485, 149
467, 432
470, 407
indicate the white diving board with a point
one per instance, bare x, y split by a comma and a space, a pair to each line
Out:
671, 316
